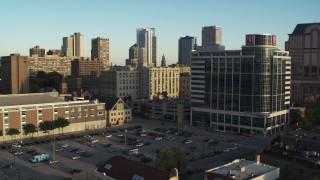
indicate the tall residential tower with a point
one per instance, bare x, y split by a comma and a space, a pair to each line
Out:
100, 50
73, 45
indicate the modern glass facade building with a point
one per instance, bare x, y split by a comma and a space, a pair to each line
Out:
186, 45
146, 38
246, 91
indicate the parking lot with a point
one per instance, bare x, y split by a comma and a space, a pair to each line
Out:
78, 154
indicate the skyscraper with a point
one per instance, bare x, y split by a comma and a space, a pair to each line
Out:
186, 45
211, 35
73, 45
78, 47
40, 52
304, 48
244, 91
133, 56
15, 74
67, 46
146, 39
100, 50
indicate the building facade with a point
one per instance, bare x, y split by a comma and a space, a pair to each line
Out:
14, 74
304, 48
186, 45
56, 52
100, 50
211, 35
50, 63
18, 110
133, 56
246, 91
37, 51
73, 45
185, 86
89, 71
157, 80
146, 39
165, 109
124, 83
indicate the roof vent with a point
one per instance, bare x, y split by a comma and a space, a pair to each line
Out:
137, 177
108, 166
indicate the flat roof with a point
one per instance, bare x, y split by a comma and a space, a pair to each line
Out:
28, 99
242, 169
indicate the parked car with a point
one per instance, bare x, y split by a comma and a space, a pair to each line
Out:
74, 150
226, 150
6, 165
64, 145
31, 150
157, 138
18, 152
139, 144
76, 157
16, 145
75, 171
80, 151
187, 141
107, 145
59, 149
53, 161
108, 135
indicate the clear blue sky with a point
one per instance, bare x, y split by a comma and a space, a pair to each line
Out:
26, 23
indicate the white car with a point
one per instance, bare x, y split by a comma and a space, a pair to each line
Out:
18, 152
139, 144
59, 149
143, 134
64, 145
53, 161
188, 141
76, 157
170, 138
157, 138
108, 135
226, 150
234, 148
16, 145
92, 140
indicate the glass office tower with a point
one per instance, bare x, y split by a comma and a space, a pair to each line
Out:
245, 91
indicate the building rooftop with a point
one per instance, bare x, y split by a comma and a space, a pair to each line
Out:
109, 101
24, 99
242, 169
300, 28
119, 167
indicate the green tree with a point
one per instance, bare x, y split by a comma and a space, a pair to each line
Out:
61, 123
171, 157
29, 129
46, 126
165, 159
13, 132
180, 157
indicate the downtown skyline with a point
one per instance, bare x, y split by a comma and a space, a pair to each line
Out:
27, 24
